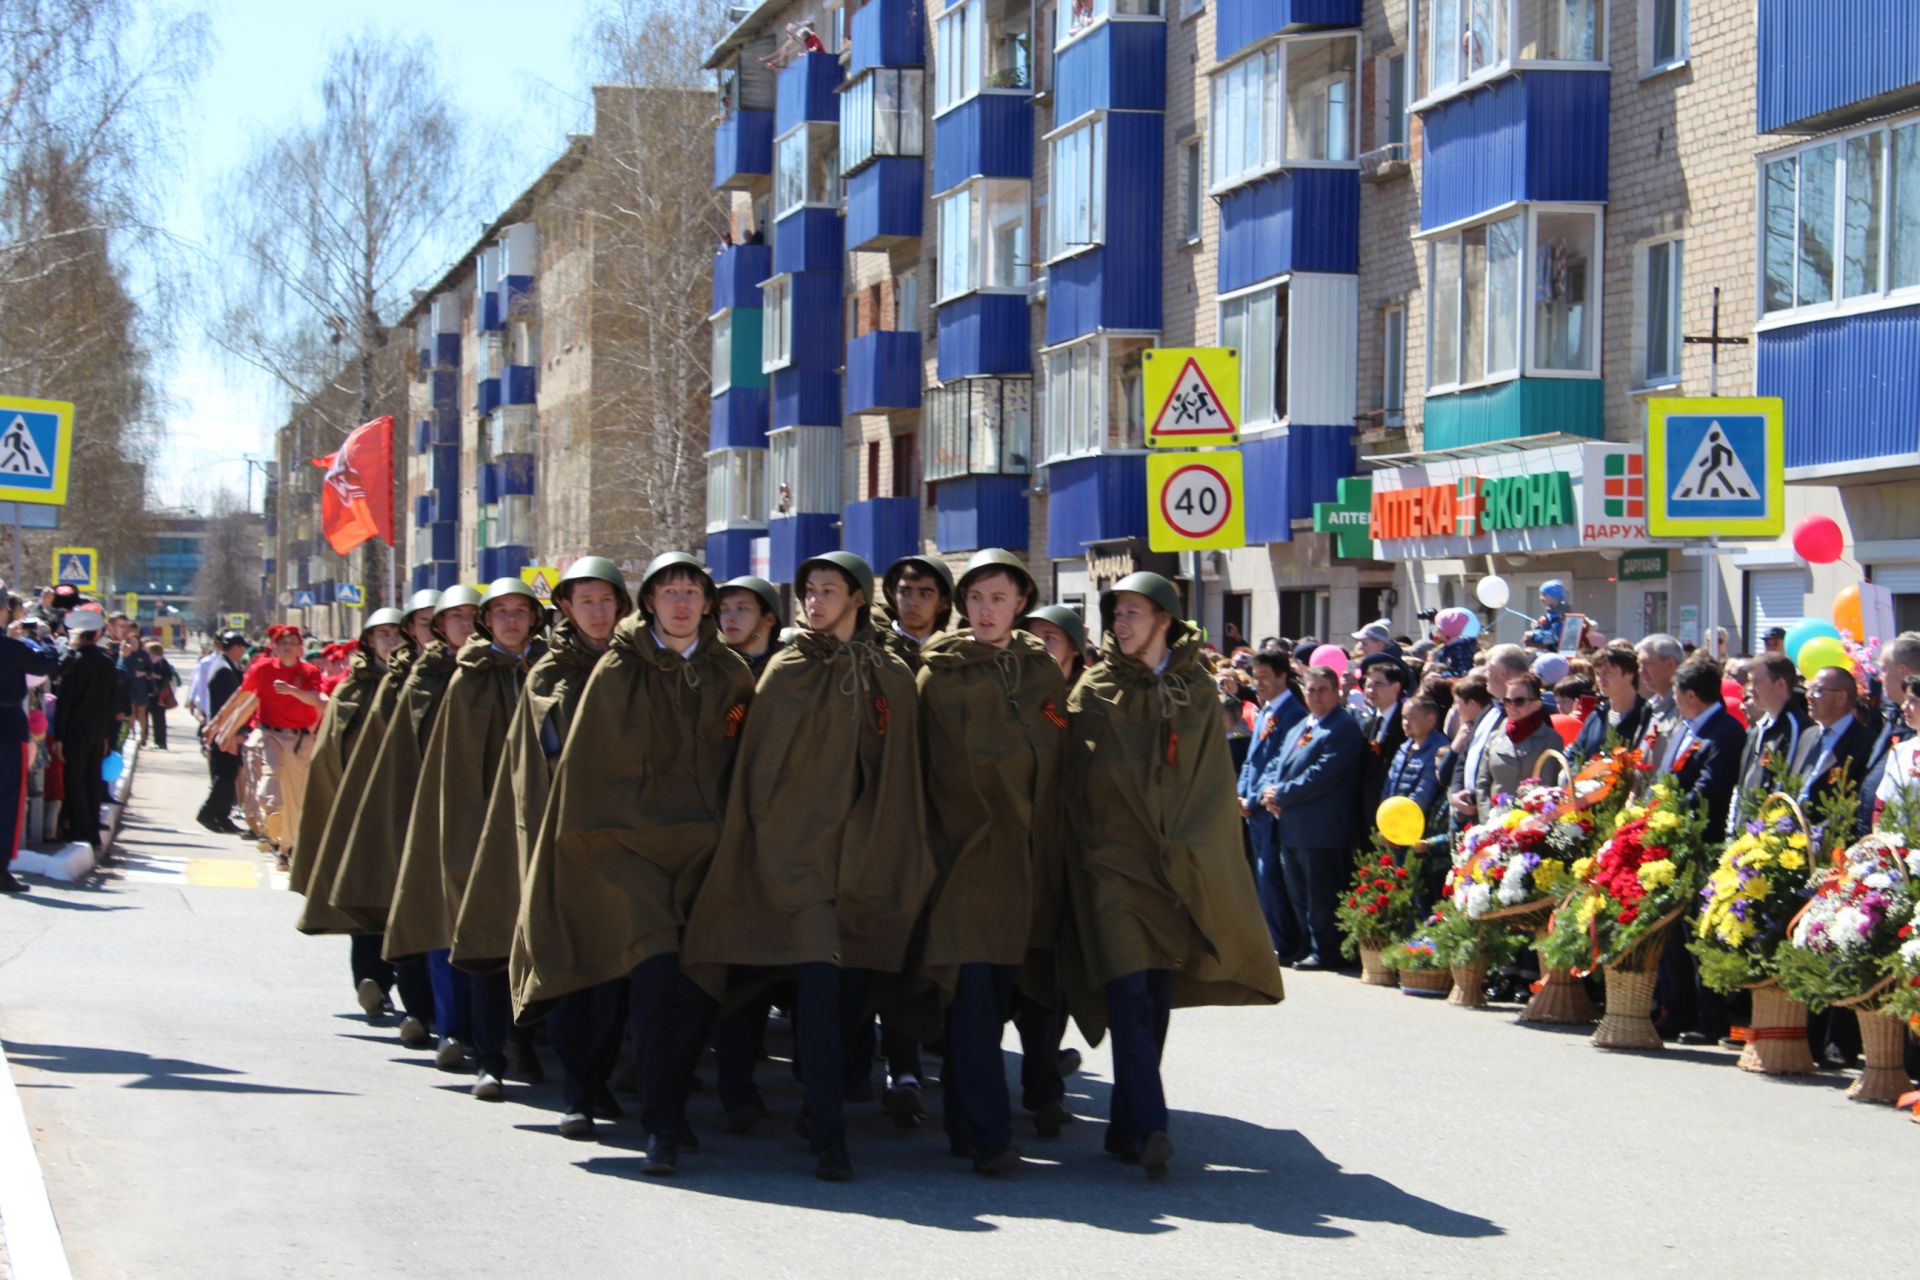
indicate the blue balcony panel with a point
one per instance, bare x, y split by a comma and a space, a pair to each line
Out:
1287, 474
737, 272
742, 150
446, 467
1117, 286
881, 530
807, 239
1098, 499
805, 91
509, 475
503, 562
446, 391
422, 435
1301, 220
883, 372
519, 385
422, 510
1238, 23
980, 511
983, 333
486, 396
1850, 384
422, 361
987, 136
730, 552
888, 33
1538, 135
737, 419
490, 318
443, 539
1118, 66
884, 202
818, 314
791, 539
1836, 62
805, 398
1509, 410
446, 350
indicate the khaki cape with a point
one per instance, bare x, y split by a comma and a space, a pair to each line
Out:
635, 814
483, 927
370, 860
1158, 875
318, 914
450, 804
824, 855
340, 725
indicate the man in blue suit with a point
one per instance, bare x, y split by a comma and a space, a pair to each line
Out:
1315, 777
1706, 754
1280, 710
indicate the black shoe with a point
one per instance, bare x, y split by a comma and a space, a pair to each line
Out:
999, 1161
211, 825
1696, 1037
1050, 1119
905, 1106
10, 883
1155, 1152
1120, 1147
1069, 1062
743, 1117
1309, 962
834, 1164
663, 1157
577, 1125
606, 1106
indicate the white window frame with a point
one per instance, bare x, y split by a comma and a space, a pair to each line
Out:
1255, 419
1393, 364
720, 371
1650, 63
822, 135
1077, 18
974, 234
1423, 94
958, 428
1887, 295
1077, 160
801, 457
1193, 190
961, 53
1667, 371
1234, 84
750, 476
862, 138
1388, 122
1094, 360
776, 323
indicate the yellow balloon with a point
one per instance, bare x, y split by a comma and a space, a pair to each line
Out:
1822, 651
1400, 820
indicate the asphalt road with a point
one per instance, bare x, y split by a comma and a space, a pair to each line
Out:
207, 1100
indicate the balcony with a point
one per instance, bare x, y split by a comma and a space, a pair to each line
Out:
793, 539
1287, 474
808, 239
508, 476
738, 270
805, 90
1115, 284
983, 334
884, 203
1238, 23
1823, 66
446, 468
730, 552
805, 395
1118, 66
888, 33
518, 385
486, 396
737, 418
519, 251
1302, 220
504, 562
1512, 409
743, 150
981, 511
1095, 499
1537, 136
989, 135
883, 372
1850, 383
881, 530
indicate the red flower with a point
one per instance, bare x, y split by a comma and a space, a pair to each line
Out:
1353, 901
1400, 872
1905, 932
1386, 859
1382, 884
1374, 911
1629, 914
1382, 900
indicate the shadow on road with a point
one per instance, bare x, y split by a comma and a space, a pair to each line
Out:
65, 899
153, 1073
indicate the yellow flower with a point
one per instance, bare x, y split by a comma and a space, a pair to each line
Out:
1580, 868
1663, 821
1513, 819
1792, 861
1549, 873
1655, 875
1758, 888
1796, 841
1588, 908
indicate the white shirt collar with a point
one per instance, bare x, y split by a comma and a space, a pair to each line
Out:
664, 643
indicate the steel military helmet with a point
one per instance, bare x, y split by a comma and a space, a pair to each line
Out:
501, 588
1153, 587
452, 598
383, 618
426, 598
1065, 619
676, 560
857, 571
932, 564
768, 593
596, 569
987, 561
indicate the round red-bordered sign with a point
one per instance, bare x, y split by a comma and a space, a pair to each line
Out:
1194, 519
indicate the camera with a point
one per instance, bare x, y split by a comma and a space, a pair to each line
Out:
1427, 615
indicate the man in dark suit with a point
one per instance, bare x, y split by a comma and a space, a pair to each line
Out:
1846, 744
1280, 709
1706, 752
90, 703
223, 767
1621, 716
1384, 683
1312, 796
1782, 740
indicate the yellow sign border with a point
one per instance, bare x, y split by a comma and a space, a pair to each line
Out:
91, 587
531, 573
1160, 370
1772, 525
1161, 468
62, 452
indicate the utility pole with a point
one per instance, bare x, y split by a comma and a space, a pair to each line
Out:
1710, 612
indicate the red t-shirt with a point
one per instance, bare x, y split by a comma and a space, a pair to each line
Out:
280, 710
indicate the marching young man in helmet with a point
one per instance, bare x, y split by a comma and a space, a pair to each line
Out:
635, 813
992, 728
1164, 901
823, 866
375, 835
918, 605
456, 779
749, 618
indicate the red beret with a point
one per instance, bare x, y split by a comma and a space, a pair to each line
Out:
282, 629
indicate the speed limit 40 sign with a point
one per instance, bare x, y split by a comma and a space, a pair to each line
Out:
1195, 501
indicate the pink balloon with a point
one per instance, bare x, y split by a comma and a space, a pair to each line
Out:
1330, 656
1818, 540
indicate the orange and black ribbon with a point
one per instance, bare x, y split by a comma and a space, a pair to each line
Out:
880, 715
736, 716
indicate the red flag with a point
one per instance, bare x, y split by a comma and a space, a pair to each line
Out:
356, 498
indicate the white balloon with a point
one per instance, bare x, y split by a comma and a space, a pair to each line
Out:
1493, 592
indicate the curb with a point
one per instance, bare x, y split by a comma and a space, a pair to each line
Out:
31, 1233
73, 863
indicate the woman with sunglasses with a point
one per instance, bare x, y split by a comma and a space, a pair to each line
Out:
1515, 750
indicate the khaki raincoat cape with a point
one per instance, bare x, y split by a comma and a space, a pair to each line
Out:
332, 742
636, 810
450, 804
368, 732
370, 860
483, 925
824, 854
1158, 875
992, 732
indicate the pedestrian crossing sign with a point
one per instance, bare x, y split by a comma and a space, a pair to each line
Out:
36, 440
304, 600
349, 593
237, 621
77, 567
1716, 466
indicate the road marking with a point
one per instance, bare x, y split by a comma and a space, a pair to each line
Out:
203, 873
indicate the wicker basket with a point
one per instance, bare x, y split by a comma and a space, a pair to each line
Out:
1469, 985
1528, 916
1777, 1038
1561, 999
1374, 969
1883, 1041
1628, 1023
1425, 982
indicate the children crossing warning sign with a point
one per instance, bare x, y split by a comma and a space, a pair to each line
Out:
1716, 467
36, 438
1192, 396
542, 578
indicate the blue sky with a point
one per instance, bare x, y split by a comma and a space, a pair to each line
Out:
515, 72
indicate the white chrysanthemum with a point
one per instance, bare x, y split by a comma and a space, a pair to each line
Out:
1513, 884
1479, 900
1910, 950
1847, 925
1878, 880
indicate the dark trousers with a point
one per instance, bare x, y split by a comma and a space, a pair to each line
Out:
157, 724
1313, 883
13, 794
86, 791
831, 1005
364, 955
669, 1018
411, 979
452, 1002
223, 767
976, 1110
739, 1035
492, 996
1138, 1006
1270, 887
585, 1028
1040, 1027
901, 1051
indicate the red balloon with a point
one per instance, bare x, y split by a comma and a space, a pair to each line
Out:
1568, 727
1731, 691
1737, 711
1818, 540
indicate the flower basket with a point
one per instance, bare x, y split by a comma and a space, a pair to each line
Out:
1631, 889
1426, 982
1378, 905
1883, 1038
1559, 998
1374, 970
1747, 906
1469, 985
1845, 947
1422, 971
1630, 978
1777, 1037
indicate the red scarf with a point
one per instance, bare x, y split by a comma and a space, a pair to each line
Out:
1520, 730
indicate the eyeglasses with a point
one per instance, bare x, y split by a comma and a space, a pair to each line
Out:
1520, 701
1817, 689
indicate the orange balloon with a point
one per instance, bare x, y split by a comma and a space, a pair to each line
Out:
1846, 614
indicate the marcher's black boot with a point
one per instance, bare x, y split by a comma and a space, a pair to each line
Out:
10, 883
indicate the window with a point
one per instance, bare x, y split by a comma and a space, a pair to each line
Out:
1095, 398
981, 45
1077, 16
906, 300
1661, 356
776, 324
979, 426
1193, 191
1393, 360
906, 466
806, 168
1255, 324
722, 369
803, 470
736, 489
1566, 284
1458, 42
1665, 22
1313, 76
1079, 188
880, 116
1475, 330
983, 237
1840, 219
1393, 97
